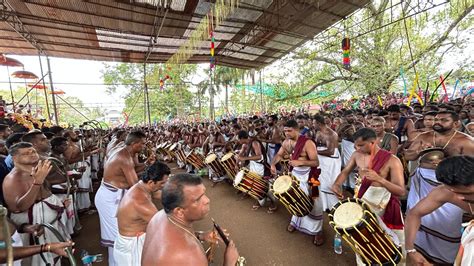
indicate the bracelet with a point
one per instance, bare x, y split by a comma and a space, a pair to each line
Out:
42, 248
408, 251
48, 247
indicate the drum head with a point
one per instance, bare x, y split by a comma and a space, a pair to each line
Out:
227, 156
210, 158
348, 214
282, 184
172, 147
238, 177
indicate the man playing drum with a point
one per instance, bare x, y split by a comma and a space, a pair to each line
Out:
170, 237
382, 181
304, 157
456, 173
135, 212
120, 173
429, 149
253, 152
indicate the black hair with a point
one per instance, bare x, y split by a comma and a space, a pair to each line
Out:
243, 134
13, 150
57, 141
13, 138
18, 128
155, 172
394, 108
320, 119
291, 123
453, 114
31, 136
274, 117
430, 113
134, 137
301, 117
172, 195
3, 127
348, 112
364, 133
456, 170
56, 130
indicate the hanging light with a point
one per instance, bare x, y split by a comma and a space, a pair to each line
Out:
37, 86
9, 62
22, 74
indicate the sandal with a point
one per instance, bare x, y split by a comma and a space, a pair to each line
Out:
290, 228
255, 207
271, 209
318, 239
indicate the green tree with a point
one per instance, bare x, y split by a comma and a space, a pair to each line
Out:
383, 40
174, 99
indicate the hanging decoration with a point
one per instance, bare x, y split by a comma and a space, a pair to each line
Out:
211, 36
346, 51
221, 9
37, 86
22, 74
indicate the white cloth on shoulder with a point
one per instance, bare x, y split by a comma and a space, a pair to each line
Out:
467, 244
128, 250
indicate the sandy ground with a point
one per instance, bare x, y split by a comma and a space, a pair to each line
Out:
260, 237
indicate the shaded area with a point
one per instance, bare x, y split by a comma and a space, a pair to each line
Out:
260, 237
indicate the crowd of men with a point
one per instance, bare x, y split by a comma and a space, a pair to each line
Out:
413, 165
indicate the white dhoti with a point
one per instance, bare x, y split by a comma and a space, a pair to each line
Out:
330, 169
128, 250
439, 235
271, 152
466, 251
83, 200
348, 149
71, 218
312, 223
107, 200
49, 210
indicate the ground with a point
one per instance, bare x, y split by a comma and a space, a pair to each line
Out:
260, 237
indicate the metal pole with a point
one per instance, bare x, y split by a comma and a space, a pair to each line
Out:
52, 92
261, 92
45, 91
11, 89
147, 96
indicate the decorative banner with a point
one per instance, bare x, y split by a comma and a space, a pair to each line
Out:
404, 82
346, 52
445, 98
412, 93
380, 100
454, 90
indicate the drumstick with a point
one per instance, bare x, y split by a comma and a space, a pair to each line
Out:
221, 233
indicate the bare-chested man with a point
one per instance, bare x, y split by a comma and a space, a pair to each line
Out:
214, 143
302, 163
120, 173
385, 140
456, 175
429, 149
170, 237
29, 199
470, 129
400, 126
382, 181
273, 137
117, 141
135, 212
329, 160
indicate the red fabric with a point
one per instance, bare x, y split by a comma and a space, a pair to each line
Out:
314, 172
392, 216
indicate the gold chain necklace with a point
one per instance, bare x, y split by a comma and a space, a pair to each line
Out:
447, 143
187, 231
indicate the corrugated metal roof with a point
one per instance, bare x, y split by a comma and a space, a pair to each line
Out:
254, 35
